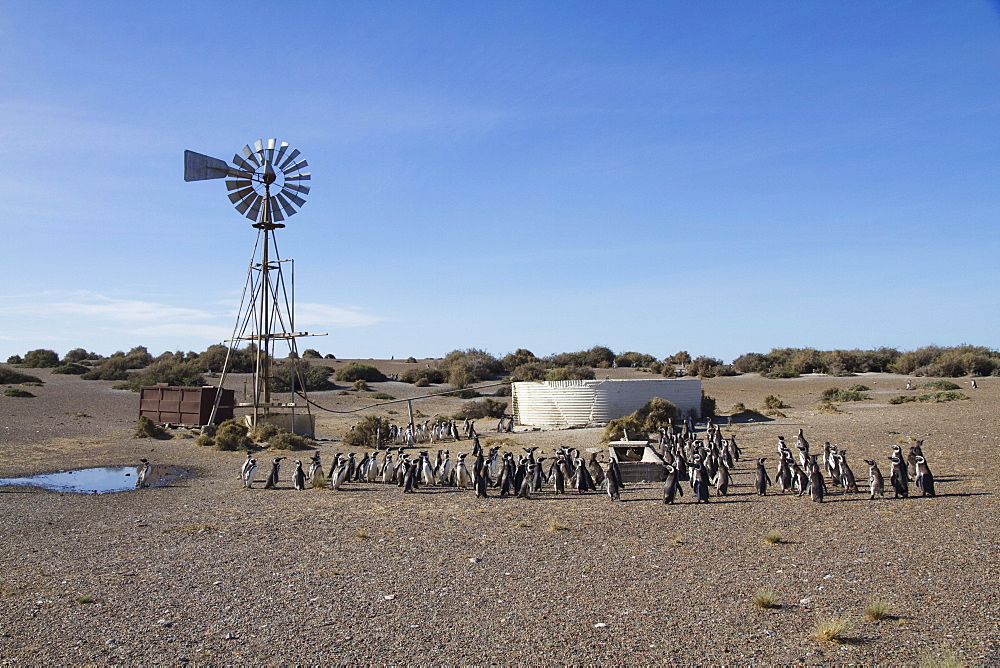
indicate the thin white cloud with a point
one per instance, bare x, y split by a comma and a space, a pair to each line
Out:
323, 315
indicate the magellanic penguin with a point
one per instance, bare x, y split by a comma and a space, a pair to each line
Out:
315, 466
461, 473
699, 481
249, 471
898, 480
611, 484
142, 474
272, 478
817, 485
298, 476
876, 484
246, 465
925, 480
761, 479
670, 485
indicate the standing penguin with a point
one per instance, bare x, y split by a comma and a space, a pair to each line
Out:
246, 465
699, 481
142, 474
670, 486
298, 476
761, 479
611, 484
817, 485
722, 479
249, 471
461, 473
272, 478
596, 472
876, 484
315, 466
925, 480
897, 478
479, 481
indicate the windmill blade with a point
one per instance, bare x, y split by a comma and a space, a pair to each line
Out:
295, 198
250, 155
247, 202
259, 150
254, 211
198, 167
291, 156
281, 152
296, 167
275, 212
306, 176
289, 209
239, 173
240, 194
243, 164
304, 190
270, 150
233, 185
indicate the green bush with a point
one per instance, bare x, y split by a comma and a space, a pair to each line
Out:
71, 369
232, 435
360, 386
113, 368
15, 359
518, 358
858, 388
357, 371
476, 364
421, 382
241, 360
644, 421
79, 355
487, 408
941, 385
529, 371
285, 440
935, 397
634, 359
146, 428
410, 360
311, 353
262, 432
837, 394
17, 393
41, 358
772, 402
9, 376
315, 378
363, 434
504, 390
707, 405
382, 396
182, 374
435, 376
570, 373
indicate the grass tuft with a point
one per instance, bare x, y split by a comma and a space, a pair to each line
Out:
772, 537
556, 525
877, 610
17, 393
832, 629
765, 599
83, 600
520, 524
319, 480
362, 534
946, 661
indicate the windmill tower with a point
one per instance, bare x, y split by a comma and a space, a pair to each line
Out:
265, 184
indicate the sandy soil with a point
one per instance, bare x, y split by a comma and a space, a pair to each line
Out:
205, 571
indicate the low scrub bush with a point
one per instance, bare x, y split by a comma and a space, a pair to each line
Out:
314, 378
364, 433
146, 428
935, 397
262, 432
940, 385
113, 368
311, 353
772, 537
410, 360
529, 371
857, 387
71, 369
570, 373
707, 405
828, 407
765, 599
832, 629
285, 440
435, 376
487, 408
357, 371
837, 394
182, 374
232, 435
641, 423
421, 382
41, 358
877, 610
17, 393
15, 359
9, 376
383, 396
360, 386
773, 402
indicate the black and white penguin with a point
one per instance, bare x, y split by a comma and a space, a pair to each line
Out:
249, 471
410, 478
783, 476
670, 485
479, 481
761, 479
817, 484
925, 479
315, 466
246, 464
897, 478
142, 474
596, 472
846, 474
699, 481
876, 484
461, 477
272, 478
722, 479
298, 476
611, 484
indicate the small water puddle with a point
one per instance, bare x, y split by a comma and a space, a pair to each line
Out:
99, 480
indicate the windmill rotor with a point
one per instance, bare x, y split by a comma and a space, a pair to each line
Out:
265, 181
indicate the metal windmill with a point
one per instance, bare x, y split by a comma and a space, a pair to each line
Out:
265, 184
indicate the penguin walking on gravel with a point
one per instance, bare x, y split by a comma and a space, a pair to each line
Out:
249, 471
142, 475
817, 484
246, 465
272, 478
761, 479
699, 482
315, 466
925, 479
876, 483
298, 476
671, 488
611, 484
898, 479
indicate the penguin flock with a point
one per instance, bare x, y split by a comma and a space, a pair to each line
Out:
702, 462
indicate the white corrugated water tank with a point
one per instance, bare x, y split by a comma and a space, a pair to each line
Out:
574, 403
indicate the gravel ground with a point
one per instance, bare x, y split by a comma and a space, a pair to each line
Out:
207, 572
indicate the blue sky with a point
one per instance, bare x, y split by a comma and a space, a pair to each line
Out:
718, 177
